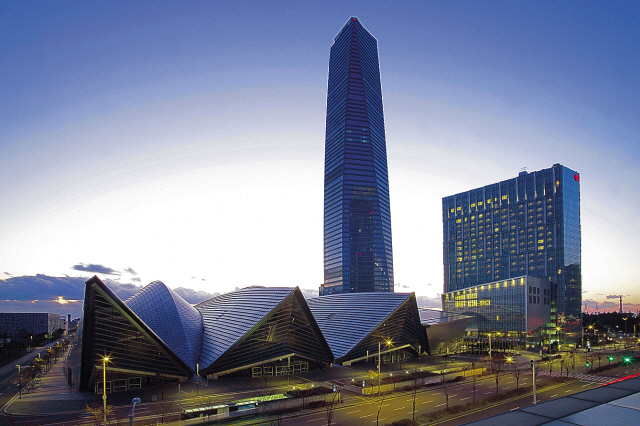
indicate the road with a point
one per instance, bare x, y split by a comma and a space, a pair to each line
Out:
364, 411
9, 384
358, 410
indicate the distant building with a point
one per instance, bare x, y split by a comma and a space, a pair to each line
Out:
357, 220
443, 331
17, 325
525, 226
514, 308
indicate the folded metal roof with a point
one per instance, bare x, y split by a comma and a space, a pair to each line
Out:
434, 316
348, 319
122, 314
170, 317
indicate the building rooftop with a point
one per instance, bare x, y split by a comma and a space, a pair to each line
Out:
617, 403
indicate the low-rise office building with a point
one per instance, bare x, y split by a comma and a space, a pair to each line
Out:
514, 309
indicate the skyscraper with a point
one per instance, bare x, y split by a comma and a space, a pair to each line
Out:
528, 225
357, 220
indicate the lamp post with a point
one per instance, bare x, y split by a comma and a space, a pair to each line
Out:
19, 383
104, 387
533, 367
379, 362
387, 343
490, 365
134, 402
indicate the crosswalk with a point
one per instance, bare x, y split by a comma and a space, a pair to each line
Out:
580, 376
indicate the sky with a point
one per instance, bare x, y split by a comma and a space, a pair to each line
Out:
184, 141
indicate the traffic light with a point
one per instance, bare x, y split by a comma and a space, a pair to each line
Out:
610, 358
588, 364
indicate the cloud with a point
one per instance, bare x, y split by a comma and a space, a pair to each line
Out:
308, 293
43, 287
136, 279
130, 271
429, 302
98, 269
194, 296
614, 296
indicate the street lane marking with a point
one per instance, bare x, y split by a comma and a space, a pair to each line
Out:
385, 405
514, 408
440, 405
351, 412
506, 388
368, 415
451, 396
553, 395
313, 420
585, 385
462, 399
567, 391
380, 420
401, 408
426, 402
487, 393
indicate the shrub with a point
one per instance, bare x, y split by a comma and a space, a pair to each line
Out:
403, 422
303, 393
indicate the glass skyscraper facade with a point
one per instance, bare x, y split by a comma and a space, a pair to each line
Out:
528, 225
357, 219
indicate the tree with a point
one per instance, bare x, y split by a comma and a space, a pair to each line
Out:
516, 374
414, 395
163, 410
498, 374
274, 412
444, 387
379, 408
330, 405
97, 411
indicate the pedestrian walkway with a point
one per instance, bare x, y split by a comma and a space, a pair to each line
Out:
579, 376
51, 394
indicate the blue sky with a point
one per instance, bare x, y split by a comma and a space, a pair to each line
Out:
184, 141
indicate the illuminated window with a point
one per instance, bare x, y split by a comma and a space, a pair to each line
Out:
504, 197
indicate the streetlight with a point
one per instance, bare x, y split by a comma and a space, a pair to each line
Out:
104, 387
533, 371
19, 383
387, 342
135, 401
